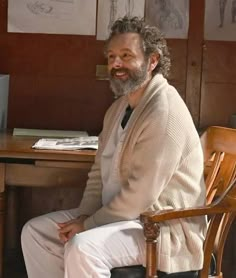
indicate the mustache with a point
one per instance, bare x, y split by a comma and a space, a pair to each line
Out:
114, 71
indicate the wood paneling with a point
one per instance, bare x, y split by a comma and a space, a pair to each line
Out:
219, 62
194, 58
53, 84
178, 52
56, 102
218, 103
218, 88
52, 81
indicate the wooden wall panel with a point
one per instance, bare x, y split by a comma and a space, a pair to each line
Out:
178, 52
219, 62
218, 89
194, 58
53, 83
56, 102
218, 104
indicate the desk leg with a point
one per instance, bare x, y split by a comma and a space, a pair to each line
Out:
2, 218
12, 229
2, 214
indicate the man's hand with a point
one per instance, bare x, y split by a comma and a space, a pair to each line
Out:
68, 229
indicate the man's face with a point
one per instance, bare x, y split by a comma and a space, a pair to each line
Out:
127, 66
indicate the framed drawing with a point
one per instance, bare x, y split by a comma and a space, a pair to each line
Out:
220, 20
52, 16
110, 10
171, 16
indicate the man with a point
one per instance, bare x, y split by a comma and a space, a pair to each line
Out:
149, 157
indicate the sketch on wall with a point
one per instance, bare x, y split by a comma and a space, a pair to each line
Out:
220, 20
52, 16
110, 10
171, 16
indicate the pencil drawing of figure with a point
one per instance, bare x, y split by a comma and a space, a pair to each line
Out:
222, 4
234, 11
113, 12
169, 16
54, 8
39, 7
129, 7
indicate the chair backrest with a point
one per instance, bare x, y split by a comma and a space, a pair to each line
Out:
219, 146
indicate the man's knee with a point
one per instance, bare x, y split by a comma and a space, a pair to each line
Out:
75, 246
82, 248
29, 228
26, 232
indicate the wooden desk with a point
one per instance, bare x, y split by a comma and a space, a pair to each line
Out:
20, 165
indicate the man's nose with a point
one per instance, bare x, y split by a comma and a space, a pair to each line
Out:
117, 62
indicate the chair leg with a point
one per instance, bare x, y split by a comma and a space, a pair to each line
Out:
151, 232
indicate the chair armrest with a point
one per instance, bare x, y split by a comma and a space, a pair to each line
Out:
223, 204
170, 214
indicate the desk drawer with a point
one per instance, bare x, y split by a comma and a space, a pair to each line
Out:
48, 175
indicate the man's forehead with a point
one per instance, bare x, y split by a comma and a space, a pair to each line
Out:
125, 40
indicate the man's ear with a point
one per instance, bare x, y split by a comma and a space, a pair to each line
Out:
153, 61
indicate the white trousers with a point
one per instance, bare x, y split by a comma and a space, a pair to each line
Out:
89, 254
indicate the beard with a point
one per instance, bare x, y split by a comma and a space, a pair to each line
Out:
135, 80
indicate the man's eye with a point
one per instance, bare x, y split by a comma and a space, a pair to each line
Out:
126, 56
110, 57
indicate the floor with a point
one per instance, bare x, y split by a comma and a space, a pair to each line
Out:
14, 268
14, 274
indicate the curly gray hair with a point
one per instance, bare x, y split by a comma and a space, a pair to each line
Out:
153, 40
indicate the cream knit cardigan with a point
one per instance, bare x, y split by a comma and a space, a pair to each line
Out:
161, 167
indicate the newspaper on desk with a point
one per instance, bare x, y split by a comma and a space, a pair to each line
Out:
78, 143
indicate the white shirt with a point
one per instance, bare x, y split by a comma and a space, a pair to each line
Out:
110, 162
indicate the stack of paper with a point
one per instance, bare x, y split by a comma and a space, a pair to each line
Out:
89, 142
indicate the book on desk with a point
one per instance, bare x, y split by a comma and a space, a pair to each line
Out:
48, 133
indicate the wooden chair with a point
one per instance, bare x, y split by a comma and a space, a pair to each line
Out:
219, 146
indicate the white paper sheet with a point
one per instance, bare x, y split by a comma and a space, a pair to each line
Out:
110, 10
171, 16
220, 20
90, 142
52, 16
